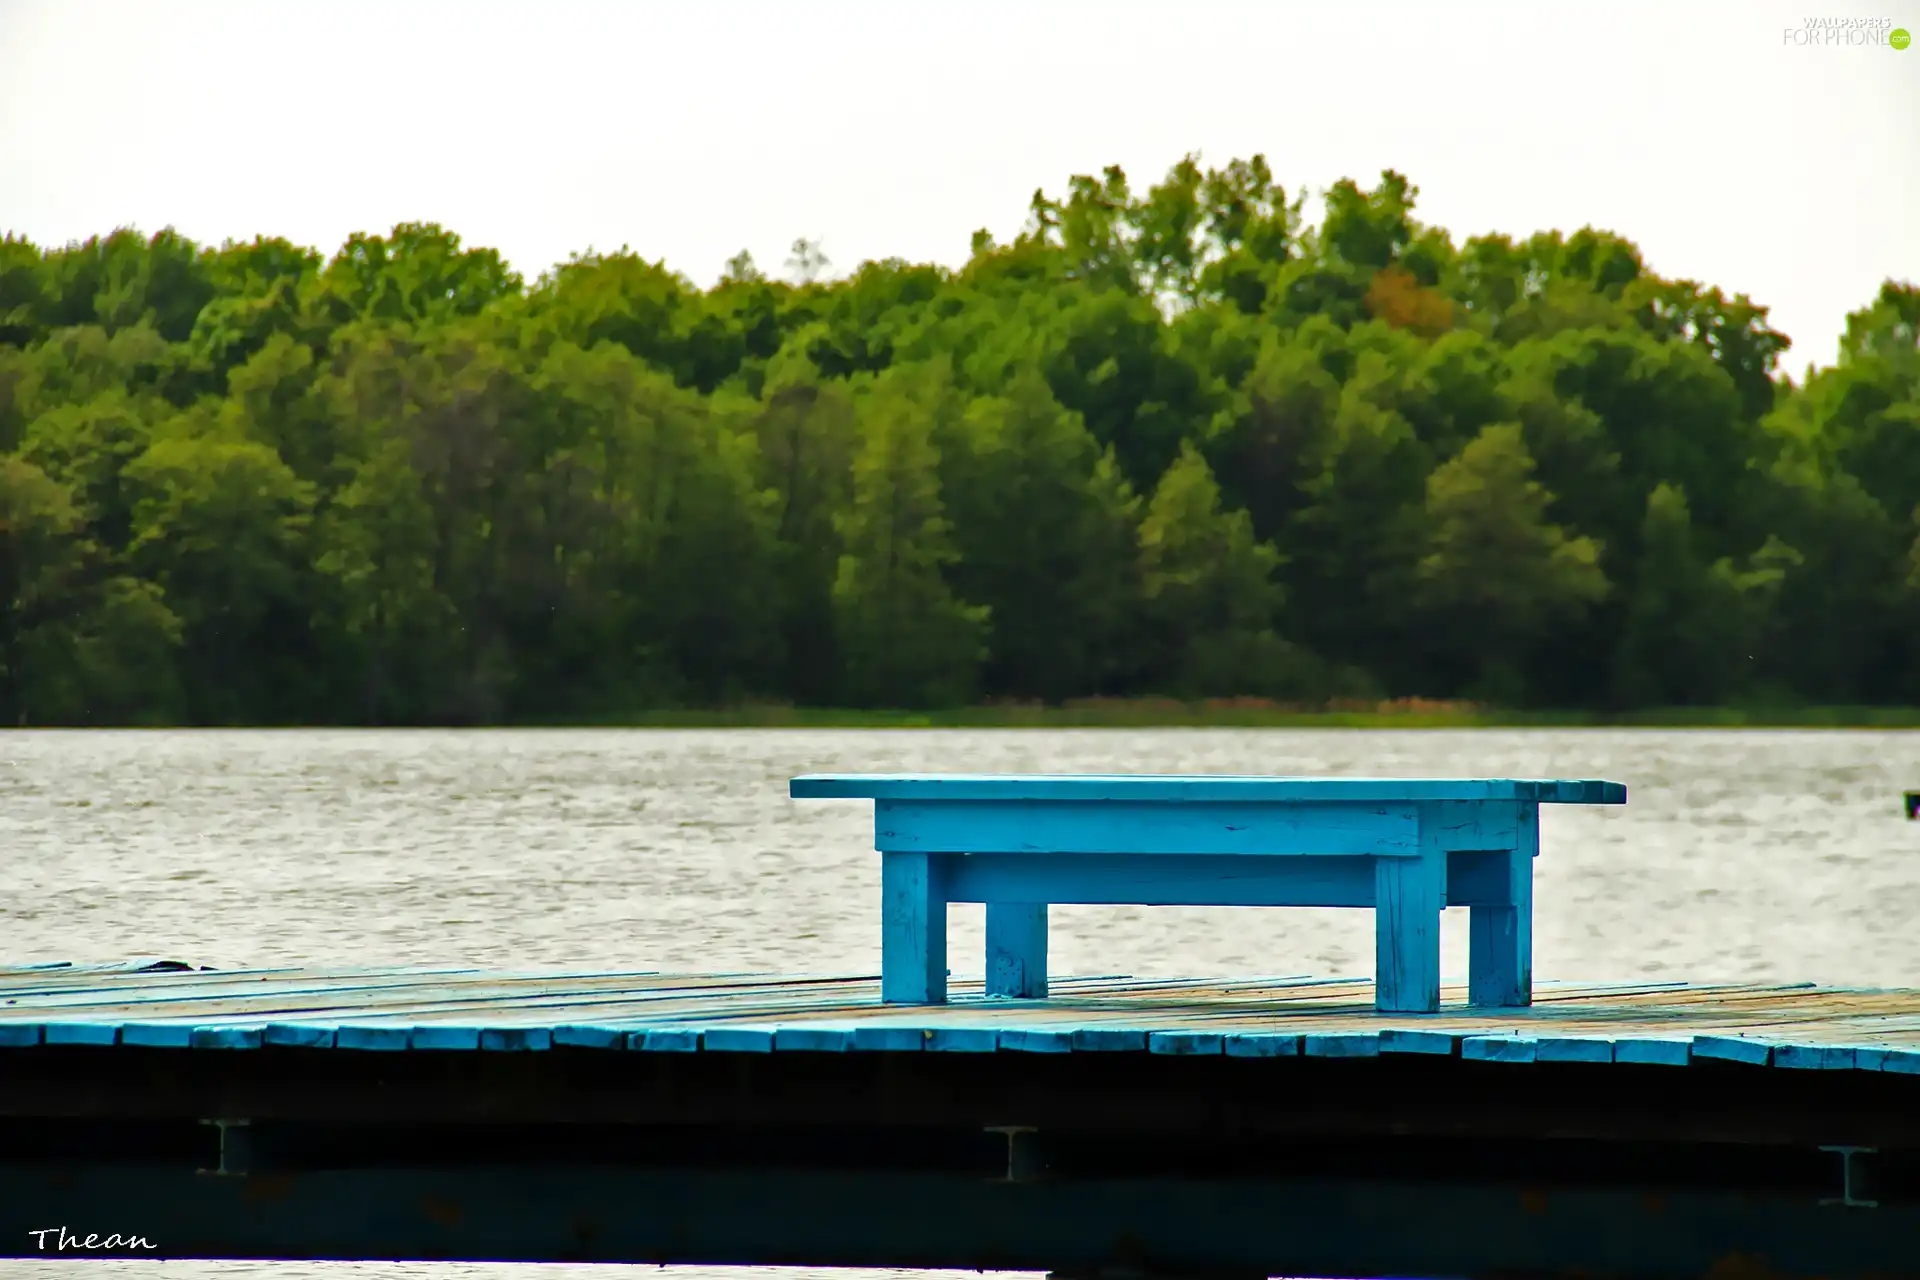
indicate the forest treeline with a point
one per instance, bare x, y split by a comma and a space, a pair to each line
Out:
1171, 441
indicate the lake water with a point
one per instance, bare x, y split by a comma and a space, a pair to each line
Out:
1740, 855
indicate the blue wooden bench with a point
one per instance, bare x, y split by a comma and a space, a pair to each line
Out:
1404, 847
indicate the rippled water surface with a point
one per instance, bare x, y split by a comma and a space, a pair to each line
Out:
1740, 855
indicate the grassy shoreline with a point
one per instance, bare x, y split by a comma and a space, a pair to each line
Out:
1159, 713
1154, 713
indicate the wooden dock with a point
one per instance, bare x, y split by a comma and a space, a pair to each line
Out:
1247, 1127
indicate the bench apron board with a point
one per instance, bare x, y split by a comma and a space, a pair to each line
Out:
1407, 848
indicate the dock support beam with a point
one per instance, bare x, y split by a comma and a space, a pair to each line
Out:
1024, 1162
1856, 1178
236, 1149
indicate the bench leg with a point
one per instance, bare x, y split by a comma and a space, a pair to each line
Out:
913, 930
1017, 950
1408, 893
1500, 960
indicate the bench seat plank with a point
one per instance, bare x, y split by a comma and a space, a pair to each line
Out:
1100, 787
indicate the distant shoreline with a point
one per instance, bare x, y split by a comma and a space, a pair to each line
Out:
1251, 714
1161, 713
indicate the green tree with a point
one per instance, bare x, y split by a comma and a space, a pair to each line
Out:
805, 436
40, 554
1692, 627
1273, 439
23, 292
1836, 635
220, 525
1211, 594
905, 639
1045, 535
1352, 546
375, 545
88, 446
653, 528
419, 272
391, 483
1498, 574
79, 643
1109, 359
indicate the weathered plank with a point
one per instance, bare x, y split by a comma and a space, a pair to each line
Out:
1016, 945
913, 929
1792, 1027
1220, 829
1196, 788
1408, 896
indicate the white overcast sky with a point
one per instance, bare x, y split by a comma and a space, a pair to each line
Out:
689, 131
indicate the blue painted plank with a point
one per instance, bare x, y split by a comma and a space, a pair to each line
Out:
1904, 1061
92, 979
1652, 1051
1108, 1040
813, 1039
175, 989
515, 1039
373, 1038
224, 1038
737, 1039
665, 1040
1195, 788
1137, 826
1260, 1044
1036, 1040
1465, 826
1158, 880
442, 1036
588, 1036
67, 976
963, 1039
1499, 1048
562, 1011
889, 1039
1341, 1044
156, 1035
1732, 1049
1572, 1049
1795, 1026
1402, 1040
1186, 1043
1814, 1057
